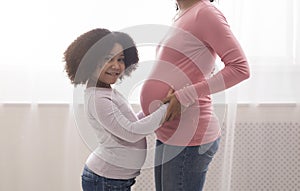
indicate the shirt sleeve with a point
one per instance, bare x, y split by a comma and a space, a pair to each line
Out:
140, 115
108, 114
216, 34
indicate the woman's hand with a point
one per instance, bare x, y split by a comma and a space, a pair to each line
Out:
174, 108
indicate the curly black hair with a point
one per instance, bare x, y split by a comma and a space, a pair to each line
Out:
90, 49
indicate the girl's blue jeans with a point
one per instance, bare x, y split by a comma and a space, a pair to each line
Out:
182, 168
93, 182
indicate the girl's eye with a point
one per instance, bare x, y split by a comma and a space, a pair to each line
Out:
121, 59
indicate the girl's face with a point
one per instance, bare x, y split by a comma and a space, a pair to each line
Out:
114, 65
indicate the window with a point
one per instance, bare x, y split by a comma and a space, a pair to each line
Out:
35, 34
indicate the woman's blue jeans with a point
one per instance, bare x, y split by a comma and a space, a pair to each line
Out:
182, 168
93, 182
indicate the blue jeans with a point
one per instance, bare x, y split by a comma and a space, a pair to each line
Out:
182, 168
93, 182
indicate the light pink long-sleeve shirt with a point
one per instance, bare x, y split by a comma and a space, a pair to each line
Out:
185, 61
121, 149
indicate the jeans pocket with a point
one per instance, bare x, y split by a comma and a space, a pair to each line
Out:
118, 184
87, 178
213, 149
209, 149
88, 183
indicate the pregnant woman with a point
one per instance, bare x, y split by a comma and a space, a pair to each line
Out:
188, 140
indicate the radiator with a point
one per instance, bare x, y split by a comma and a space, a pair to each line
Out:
265, 154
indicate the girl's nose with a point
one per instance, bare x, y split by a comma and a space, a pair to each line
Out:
116, 65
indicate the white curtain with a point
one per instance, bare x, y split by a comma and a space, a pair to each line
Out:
35, 34
269, 33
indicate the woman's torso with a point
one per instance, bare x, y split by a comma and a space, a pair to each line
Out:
183, 59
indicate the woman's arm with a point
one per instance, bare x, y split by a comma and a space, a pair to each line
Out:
216, 33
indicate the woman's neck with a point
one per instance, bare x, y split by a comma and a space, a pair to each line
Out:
185, 4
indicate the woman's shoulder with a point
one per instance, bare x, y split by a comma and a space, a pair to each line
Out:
207, 10
209, 17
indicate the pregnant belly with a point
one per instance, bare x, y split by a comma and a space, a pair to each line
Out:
153, 91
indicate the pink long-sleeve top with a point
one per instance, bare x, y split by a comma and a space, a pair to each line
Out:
185, 61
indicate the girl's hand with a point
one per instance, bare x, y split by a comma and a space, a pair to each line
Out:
169, 95
174, 108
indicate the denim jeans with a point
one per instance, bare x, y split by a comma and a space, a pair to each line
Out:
93, 182
182, 168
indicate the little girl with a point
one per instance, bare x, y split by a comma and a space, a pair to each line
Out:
98, 58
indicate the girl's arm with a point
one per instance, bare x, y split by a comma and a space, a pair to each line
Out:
140, 115
107, 113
